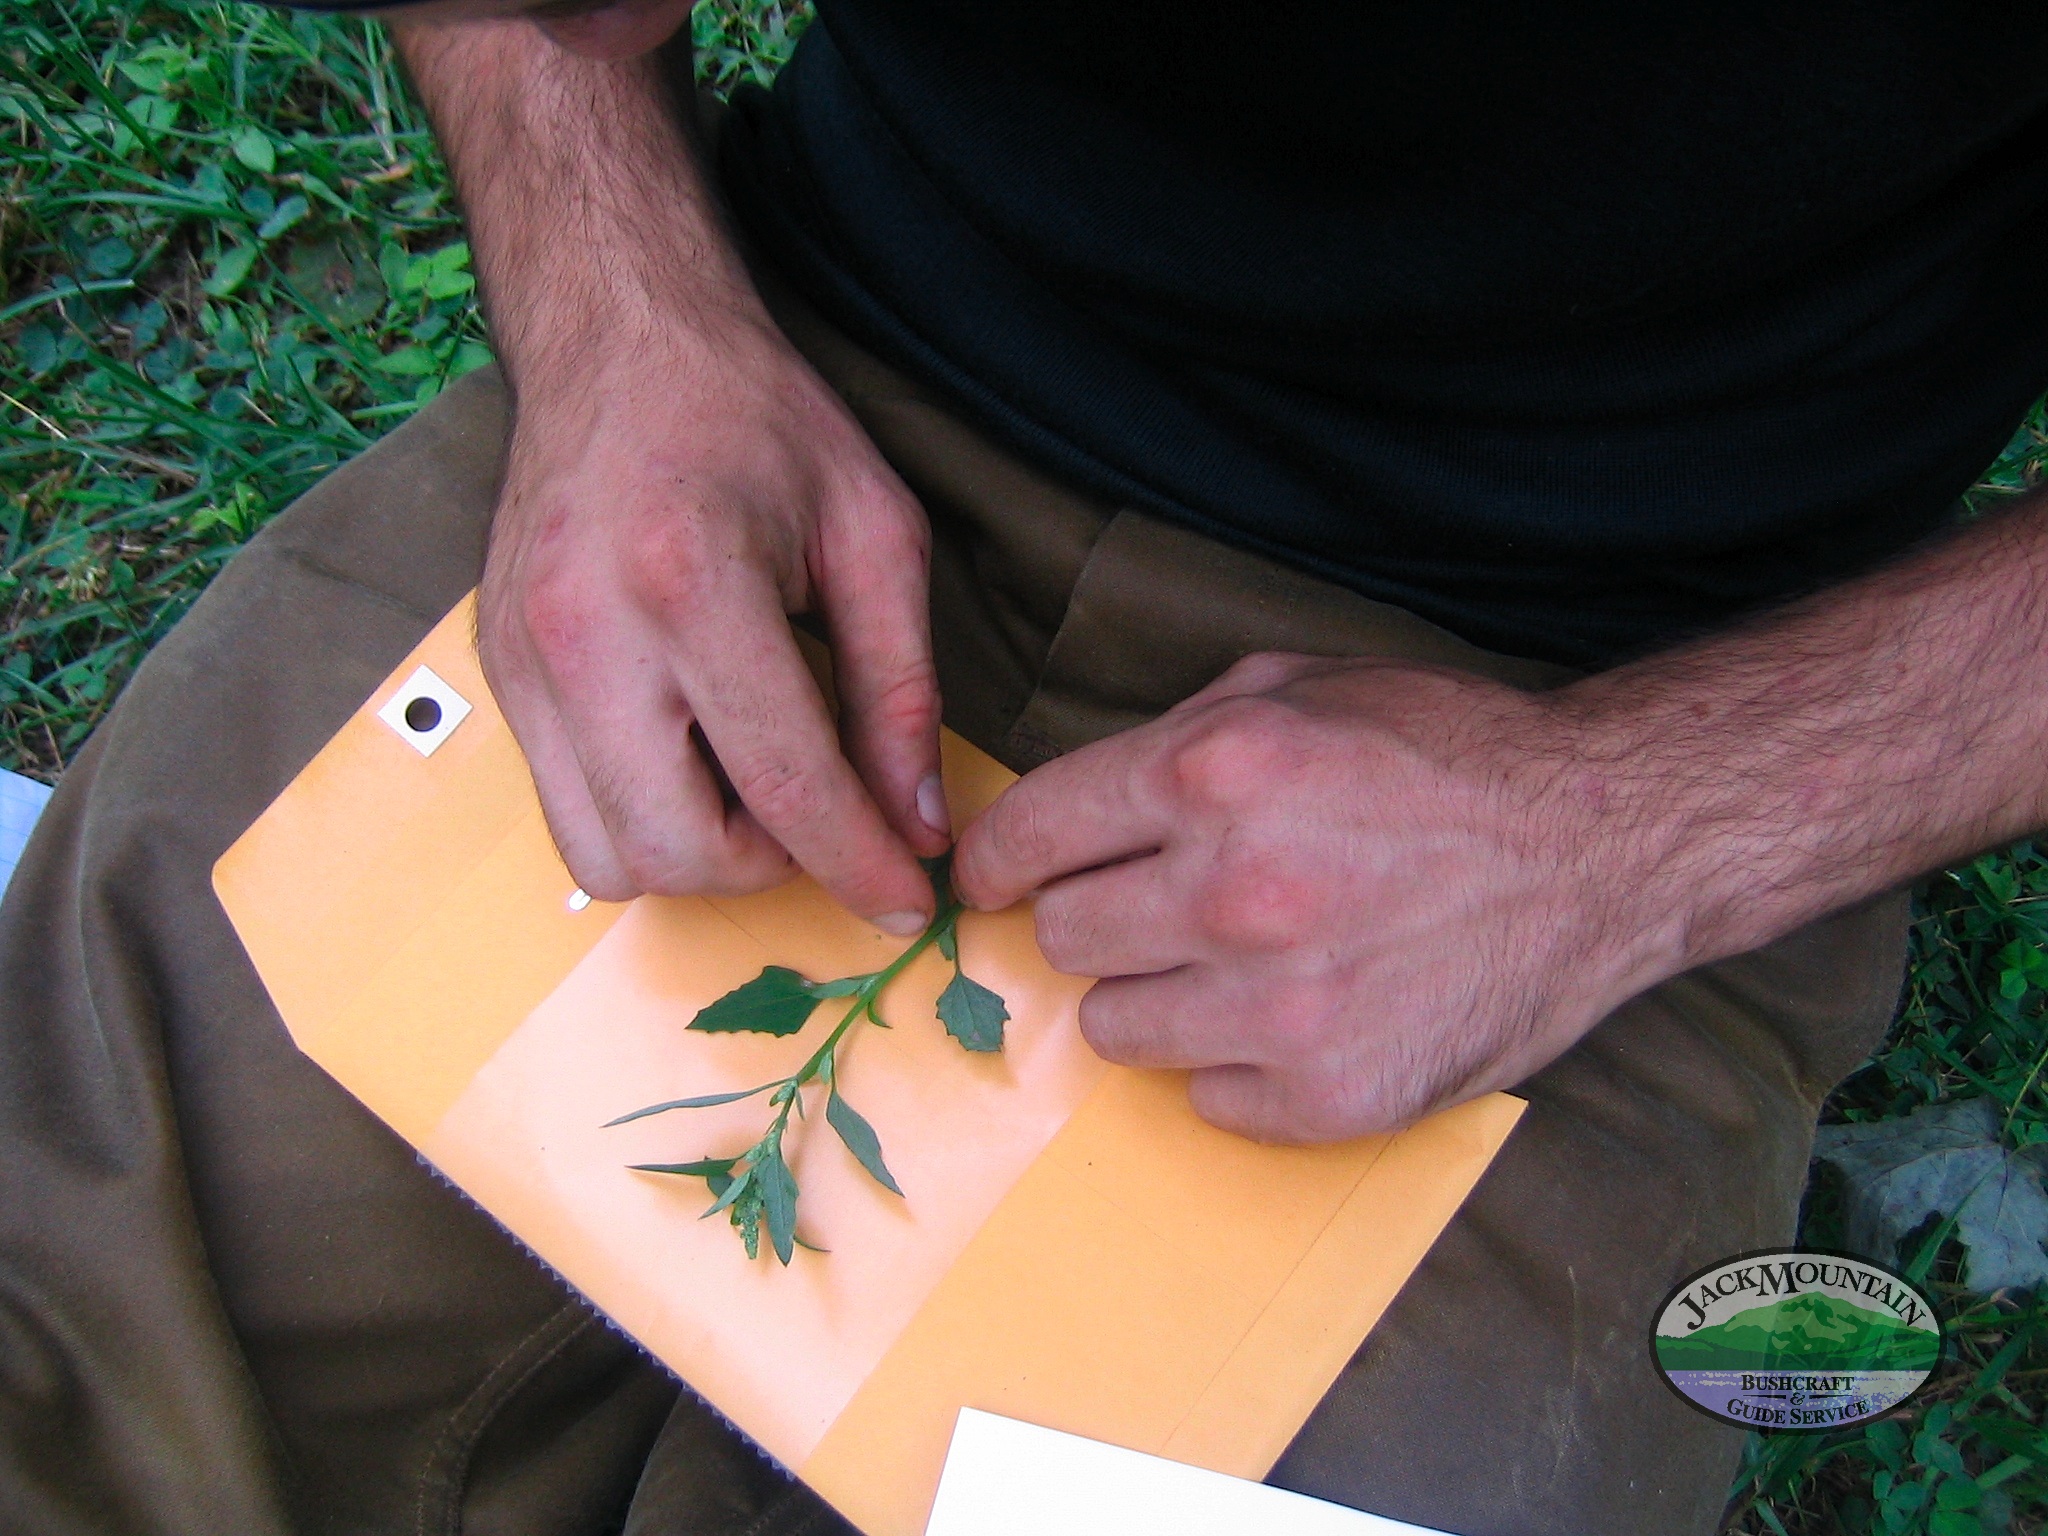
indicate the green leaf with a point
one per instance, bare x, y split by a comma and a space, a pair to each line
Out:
948, 941
1900, 1507
714, 1171
972, 1014
341, 281
776, 1002
1887, 1443
704, 1102
37, 346
703, 1168
148, 76
1940, 1455
414, 361
469, 356
778, 1202
229, 270
288, 213
449, 285
1954, 1522
107, 257
739, 1190
157, 113
860, 1139
1958, 1492
253, 148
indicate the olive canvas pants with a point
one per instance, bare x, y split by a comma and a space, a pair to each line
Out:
232, 1302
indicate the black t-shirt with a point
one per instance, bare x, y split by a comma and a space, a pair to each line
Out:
1575, 327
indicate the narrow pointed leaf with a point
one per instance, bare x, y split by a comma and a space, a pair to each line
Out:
860, 1139
776, 1002
703, 1168
706, 1101
778, 1203
948, 943
972, 1014
732, 1192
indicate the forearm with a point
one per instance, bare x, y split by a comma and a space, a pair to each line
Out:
590, 219
1833, 750
678, 481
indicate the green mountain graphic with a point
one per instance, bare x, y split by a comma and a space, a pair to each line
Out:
1813, 1332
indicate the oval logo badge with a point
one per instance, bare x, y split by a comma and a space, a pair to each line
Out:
1793, 1339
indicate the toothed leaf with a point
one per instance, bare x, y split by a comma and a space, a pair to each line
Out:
972, 1014
776, 1002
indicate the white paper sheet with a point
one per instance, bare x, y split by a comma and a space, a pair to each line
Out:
1006, 1478
21, 802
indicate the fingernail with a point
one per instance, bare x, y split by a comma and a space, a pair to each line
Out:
904, 925
931, 805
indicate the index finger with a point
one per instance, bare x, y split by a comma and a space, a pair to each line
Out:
1089, 808
761, 710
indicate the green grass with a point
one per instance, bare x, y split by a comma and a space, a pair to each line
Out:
232, 261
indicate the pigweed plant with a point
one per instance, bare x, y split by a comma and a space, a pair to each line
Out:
755, 1188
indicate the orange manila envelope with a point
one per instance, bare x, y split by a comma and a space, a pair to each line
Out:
1072, 1248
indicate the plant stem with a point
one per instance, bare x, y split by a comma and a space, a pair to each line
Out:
871, 989
864, 1001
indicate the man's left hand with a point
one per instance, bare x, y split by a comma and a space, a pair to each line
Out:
1344, 893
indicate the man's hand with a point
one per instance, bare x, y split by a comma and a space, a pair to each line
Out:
679, 482
663, 510
1347, 892
1344, 892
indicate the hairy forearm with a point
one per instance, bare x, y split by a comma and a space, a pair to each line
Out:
591, 220
1833, 750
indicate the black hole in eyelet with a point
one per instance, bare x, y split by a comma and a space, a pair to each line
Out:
423, 714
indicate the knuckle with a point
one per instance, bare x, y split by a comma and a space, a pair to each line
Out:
1295, 1018
1062, 935
1265, 669
1105, 1026
562, 625
906, 702
1321, 1110
1018, 836
654, 864
670, 562
779, 793
899, 527
1262, 909
1233, 756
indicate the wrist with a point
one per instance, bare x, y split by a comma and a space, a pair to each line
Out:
595, 233
1724, 824
592, 323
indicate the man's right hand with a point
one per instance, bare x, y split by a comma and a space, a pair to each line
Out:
679, 482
